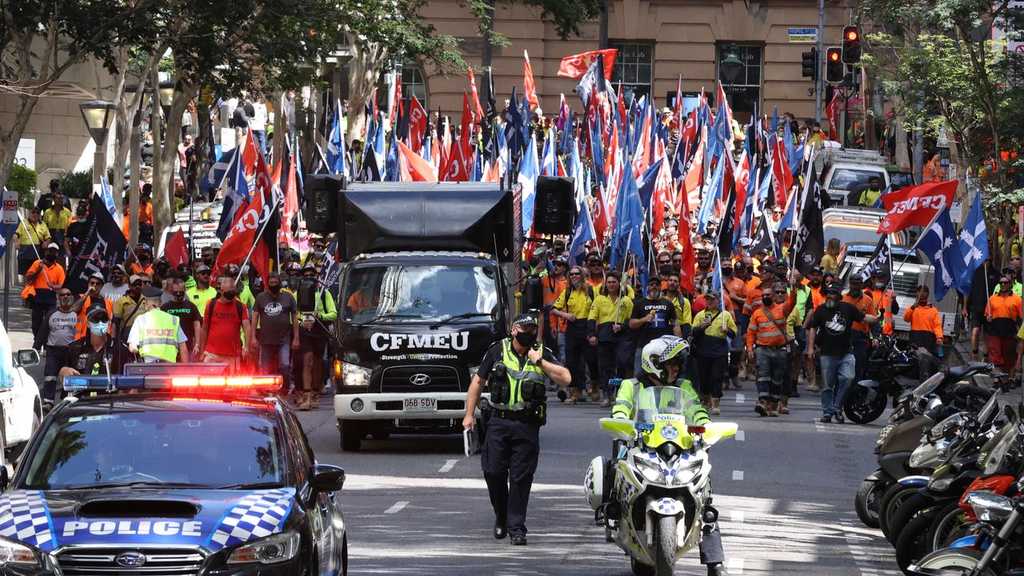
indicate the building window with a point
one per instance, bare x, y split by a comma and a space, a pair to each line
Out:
412, 83
739, 70
634, 67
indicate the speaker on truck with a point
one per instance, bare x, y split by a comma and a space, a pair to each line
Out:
322, 202
555, 206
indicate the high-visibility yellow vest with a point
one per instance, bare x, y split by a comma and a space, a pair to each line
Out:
159, 335
517, 374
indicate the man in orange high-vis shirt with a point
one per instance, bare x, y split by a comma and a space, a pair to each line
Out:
42, 280
1003, 316
925, 330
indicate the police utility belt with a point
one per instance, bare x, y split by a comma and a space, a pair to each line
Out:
530, 402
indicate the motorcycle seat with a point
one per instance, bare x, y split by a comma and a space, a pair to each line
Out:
961, 372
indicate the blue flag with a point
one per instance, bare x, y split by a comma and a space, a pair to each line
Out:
336, 162
582, 233
236, 196
529, 170
647, 184
973, 243
712, 193
939, 243
629, 220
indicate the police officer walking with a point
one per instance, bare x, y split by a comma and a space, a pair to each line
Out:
515, 369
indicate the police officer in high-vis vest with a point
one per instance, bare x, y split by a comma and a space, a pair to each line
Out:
157, 336
514, 370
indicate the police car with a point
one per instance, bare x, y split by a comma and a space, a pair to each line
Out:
171, 475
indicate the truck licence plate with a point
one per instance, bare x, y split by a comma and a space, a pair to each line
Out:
420, 404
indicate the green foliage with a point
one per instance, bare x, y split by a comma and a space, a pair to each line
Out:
77, 184
566, 15
23, 181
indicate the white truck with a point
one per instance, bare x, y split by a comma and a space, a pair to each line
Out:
848, 172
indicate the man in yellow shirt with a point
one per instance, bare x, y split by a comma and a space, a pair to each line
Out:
57, 218
31, 237
573, 306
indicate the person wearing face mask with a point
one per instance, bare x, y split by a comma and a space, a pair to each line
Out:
1003, 317
185, 311
925, 330
93, 353
314, 332
43, 280
275, 318
157, 336
653, 316
144, 265
223, 320
885, 303
514, 370
768, 341
58, 332
861, 333
92, 299
831, 328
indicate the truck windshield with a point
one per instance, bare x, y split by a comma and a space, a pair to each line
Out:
159, 447
404, 293
853, 180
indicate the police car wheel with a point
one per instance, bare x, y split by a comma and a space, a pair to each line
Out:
351, 436
344, 557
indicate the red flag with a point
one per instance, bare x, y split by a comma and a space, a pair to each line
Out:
782, 176
419, 169
692, 180
832, 112
677, 110
599, 216
575, 66
529, 86
417, 124
662, 195
477, 109
291, 202
688, 266
916, 205
243, 235
176, 250
740, 180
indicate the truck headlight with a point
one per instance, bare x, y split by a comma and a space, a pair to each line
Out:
355, 375
270, 550
15, 553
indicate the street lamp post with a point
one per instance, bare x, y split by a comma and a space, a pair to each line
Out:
97, 115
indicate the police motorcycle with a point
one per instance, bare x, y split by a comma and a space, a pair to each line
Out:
658, 505
962, 389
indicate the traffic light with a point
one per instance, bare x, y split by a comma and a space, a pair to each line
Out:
835, 70
851, 45
809, 63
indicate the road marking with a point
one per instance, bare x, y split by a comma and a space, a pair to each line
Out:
737, 475
740, 398
448, 465
738, 516
741, 436
397, 507
734, 565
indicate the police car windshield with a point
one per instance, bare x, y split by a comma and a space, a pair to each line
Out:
153, 448
433, 293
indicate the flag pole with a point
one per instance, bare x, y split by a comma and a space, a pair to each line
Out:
259, 236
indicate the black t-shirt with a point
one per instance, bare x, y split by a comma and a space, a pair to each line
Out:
494, 354
89, 361
664, 319
76, 235
832, 327
187, 313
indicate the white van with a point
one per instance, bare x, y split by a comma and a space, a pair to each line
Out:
848, 172
20, 405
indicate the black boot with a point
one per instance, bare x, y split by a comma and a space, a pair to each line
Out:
717, 570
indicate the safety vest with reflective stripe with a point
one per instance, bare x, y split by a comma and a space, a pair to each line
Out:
159, 335
517, 374
765, 331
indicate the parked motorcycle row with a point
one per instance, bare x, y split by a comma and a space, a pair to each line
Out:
948, 492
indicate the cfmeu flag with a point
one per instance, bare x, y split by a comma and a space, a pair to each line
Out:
575, 65
103, 247
939, 243
916, 205
973, 242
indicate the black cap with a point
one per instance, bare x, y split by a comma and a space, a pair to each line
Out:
525, 319
152, 292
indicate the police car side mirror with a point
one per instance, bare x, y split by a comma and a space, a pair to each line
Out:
26, 358
5, 477
327, 478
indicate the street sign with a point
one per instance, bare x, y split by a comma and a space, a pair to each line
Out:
803, 35
10, 211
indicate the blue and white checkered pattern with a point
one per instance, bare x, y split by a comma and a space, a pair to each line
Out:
259, 514
23, 517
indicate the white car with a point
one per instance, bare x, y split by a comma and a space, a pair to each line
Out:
20, 404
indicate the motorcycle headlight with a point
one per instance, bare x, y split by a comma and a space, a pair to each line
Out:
927, 455
15, 553
990, 507
685, 469
355, 375
652, 470
270, 550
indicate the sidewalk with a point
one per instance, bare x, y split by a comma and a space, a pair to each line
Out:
19, 323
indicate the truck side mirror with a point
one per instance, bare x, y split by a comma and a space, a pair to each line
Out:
26, 358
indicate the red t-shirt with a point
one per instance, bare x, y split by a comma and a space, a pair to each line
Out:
224, 322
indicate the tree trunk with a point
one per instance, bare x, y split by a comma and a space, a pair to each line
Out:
163, 187
363, 70
134, 176
280, 127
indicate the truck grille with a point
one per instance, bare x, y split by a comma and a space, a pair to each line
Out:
439, 379
155, 561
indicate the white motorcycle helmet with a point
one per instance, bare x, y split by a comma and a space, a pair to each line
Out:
659, 352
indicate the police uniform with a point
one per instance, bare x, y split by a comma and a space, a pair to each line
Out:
512, 445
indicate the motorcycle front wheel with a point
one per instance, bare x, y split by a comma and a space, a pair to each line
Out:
866, 501
889, 505
963, 559
665, 546
860, 408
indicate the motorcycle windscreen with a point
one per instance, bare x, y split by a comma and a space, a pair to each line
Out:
663, 414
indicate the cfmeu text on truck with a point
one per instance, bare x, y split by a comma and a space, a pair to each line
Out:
422, 294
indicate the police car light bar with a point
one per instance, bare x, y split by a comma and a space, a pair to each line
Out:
237, 384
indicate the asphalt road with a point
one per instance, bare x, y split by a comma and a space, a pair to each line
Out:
784, 487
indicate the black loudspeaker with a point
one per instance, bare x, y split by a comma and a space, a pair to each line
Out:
555, 206
322, 191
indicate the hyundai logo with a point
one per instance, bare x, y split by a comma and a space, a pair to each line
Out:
130, 560
419, 379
